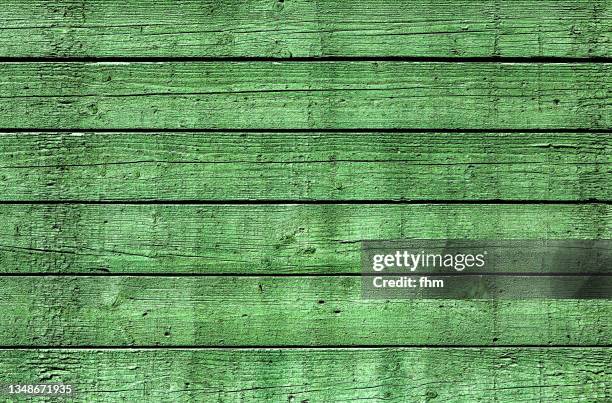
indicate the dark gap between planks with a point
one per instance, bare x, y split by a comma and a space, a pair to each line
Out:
407, 59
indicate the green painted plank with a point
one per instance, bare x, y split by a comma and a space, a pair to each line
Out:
305, 166
276, 311
304, 28
320, 375
260, 239
306, 95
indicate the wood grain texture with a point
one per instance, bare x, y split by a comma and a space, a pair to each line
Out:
260, 239
305, 166
321, 375
302, 28
307, 95
276, 311
247, 289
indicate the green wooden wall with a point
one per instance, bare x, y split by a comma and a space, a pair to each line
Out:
184, 187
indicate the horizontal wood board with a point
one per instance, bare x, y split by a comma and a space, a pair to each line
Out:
277, 311
265, 238
312, 375
304, 28
305, 95
204, 166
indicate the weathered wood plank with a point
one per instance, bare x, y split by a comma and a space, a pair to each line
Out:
270, 311
264, 239
307, 95
320, 375
305, 166
304, 28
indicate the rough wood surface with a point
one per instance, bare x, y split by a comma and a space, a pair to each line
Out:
305, 166
308, 95
321, 375
270, 311
149, 252
305, 28
264, 239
